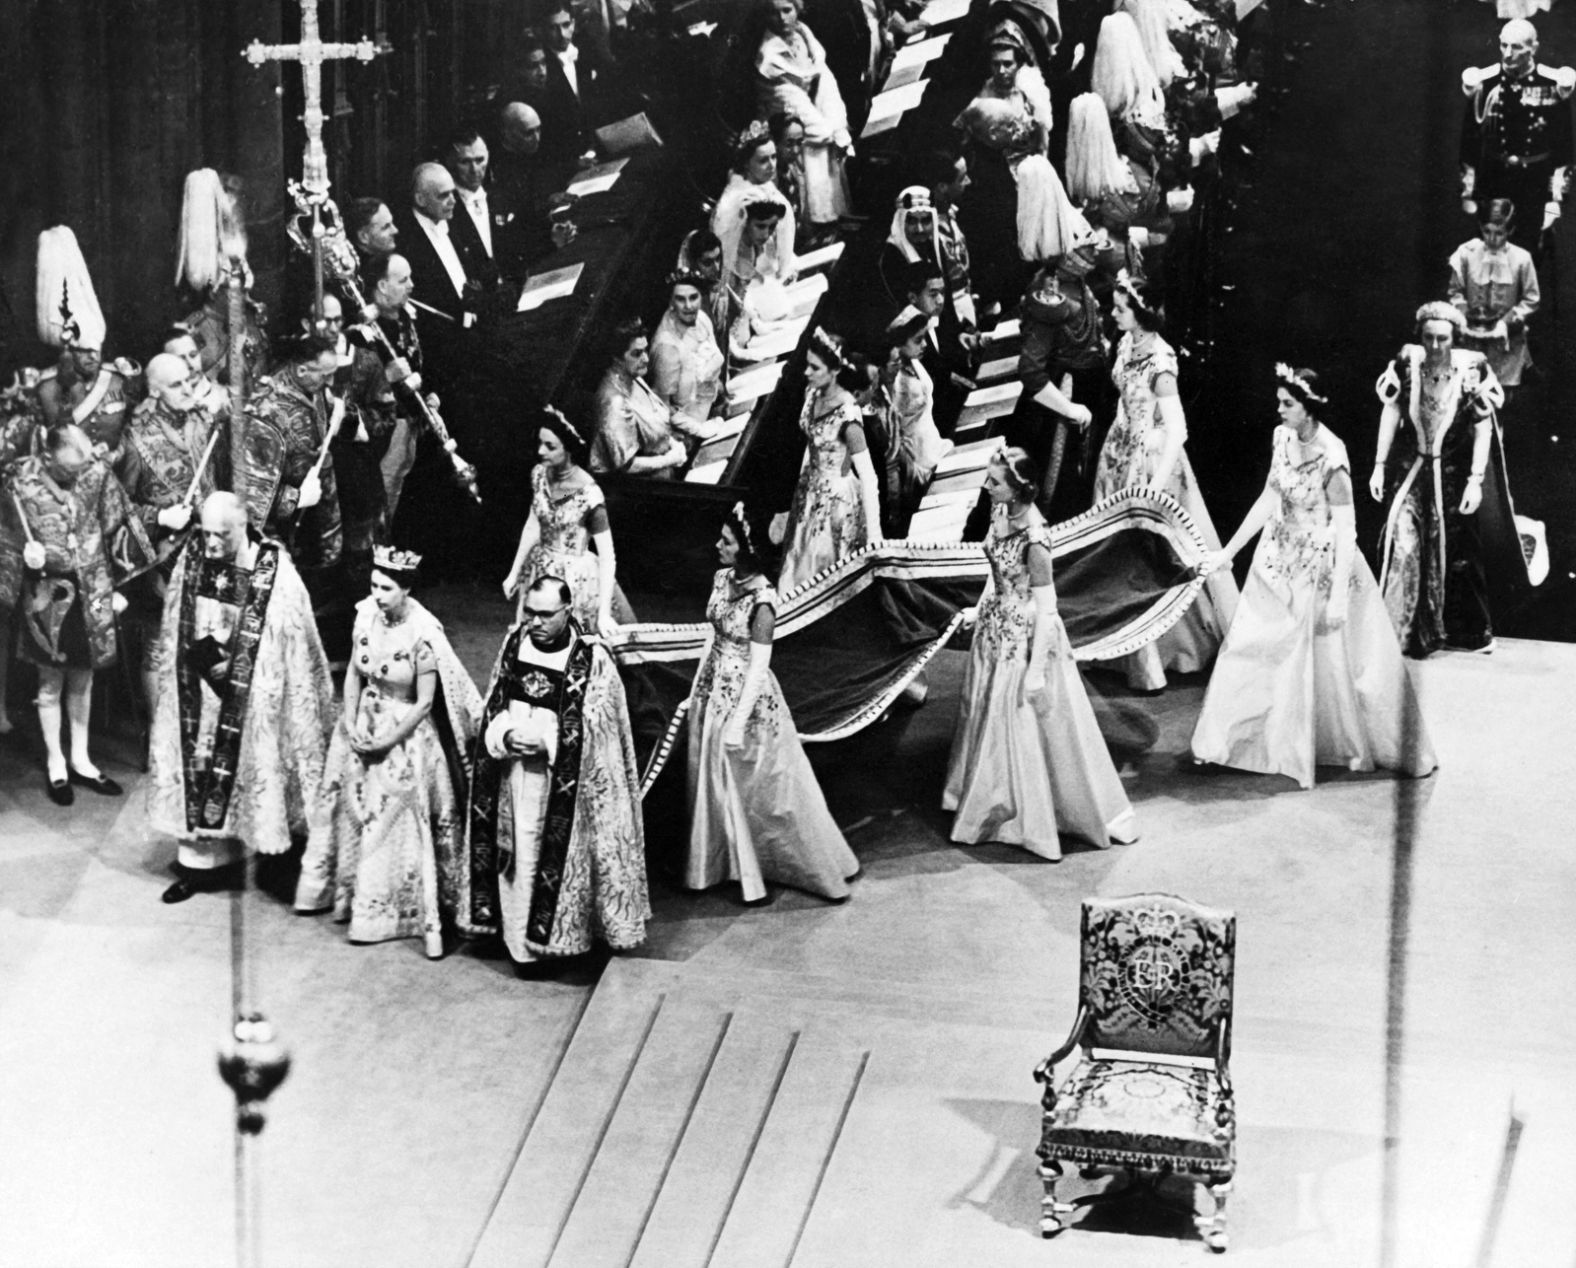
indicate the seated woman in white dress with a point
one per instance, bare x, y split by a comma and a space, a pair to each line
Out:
1311, 672
755, 173
1145, 448
1028, 763
757, 813
633, 429
568, 518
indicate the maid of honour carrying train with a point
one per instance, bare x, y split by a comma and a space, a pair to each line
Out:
1311, 672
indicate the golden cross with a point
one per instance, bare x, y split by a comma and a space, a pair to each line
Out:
311, 52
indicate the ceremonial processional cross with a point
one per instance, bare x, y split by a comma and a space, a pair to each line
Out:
311, 53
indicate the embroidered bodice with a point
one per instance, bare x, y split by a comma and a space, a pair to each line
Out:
824, 430
1299, 540
1137, 435
721, 677
389, 658
563, 517
1006, 613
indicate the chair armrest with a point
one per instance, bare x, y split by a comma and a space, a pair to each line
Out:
1045, 1072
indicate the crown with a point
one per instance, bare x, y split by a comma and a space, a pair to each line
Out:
1300, 386
391, 560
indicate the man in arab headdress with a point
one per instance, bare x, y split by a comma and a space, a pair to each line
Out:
245, 703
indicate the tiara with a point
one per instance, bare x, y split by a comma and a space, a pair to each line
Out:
684, 277
756, 131
565, 423
391, 560
827, 345
1291, 379
743, 521
1128, 285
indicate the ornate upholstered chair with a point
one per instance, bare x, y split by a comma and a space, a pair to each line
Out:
1151, 1092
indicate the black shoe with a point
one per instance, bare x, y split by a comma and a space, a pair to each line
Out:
60, 792
102, 784
179, 892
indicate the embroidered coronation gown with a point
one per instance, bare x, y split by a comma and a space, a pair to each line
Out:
827, 521
563, 550
1022, 772
1127, 459
398, 822
1287, 693
757, 813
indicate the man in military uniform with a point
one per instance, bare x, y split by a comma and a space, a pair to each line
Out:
81, 389
1516, 139
276, 448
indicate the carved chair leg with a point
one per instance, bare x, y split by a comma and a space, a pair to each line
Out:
1212, 1227
1053, 1214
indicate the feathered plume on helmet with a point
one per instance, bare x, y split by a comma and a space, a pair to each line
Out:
213, 232
68, 308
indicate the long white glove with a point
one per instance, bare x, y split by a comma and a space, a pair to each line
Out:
869, 497
1344, 521
1040, 644
754, 680
1175, 422
606, 567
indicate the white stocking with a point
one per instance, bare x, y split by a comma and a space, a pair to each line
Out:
49, 682
79, 704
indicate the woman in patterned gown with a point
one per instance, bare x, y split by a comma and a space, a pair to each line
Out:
1145, 448
1311, 672
1028, 763
568, 511
757, 813
836, 507
397, 769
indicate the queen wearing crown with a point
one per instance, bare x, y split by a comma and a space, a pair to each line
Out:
1311, 672
397, 770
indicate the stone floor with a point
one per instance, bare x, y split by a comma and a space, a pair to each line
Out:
953, 967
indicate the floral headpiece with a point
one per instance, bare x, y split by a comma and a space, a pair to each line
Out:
391, 560
756, 132
1297, 385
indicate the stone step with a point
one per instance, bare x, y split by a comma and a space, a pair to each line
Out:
540, 1193
649, 1125
717, 1148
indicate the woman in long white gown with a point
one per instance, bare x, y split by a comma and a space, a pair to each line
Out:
757, 813
1311, 672
1028, 763
1144, 448
836, 506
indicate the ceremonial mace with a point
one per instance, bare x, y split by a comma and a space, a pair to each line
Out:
334, 256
